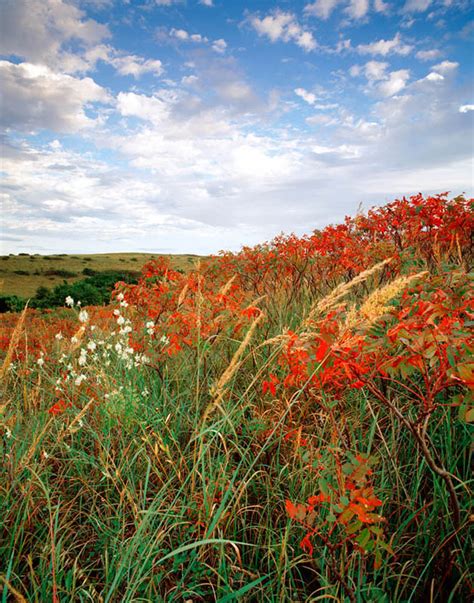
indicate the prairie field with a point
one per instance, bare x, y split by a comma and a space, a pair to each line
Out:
22, 274
292, 422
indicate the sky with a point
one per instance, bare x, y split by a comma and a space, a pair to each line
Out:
190, 126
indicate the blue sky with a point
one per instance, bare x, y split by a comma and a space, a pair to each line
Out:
199, 125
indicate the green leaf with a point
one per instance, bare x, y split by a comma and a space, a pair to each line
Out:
363, 538
238, 593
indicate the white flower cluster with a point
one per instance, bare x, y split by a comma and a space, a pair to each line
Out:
150, 327
40, 360
83, 316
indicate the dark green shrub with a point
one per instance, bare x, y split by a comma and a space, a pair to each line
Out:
62, 273
11, 303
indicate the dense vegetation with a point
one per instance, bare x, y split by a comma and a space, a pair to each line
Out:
288, 423
95, 290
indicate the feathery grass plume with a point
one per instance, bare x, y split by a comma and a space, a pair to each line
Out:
459, 250
77, 338
218, 390
375, 304
223, 290
182, 295
24, 461
329, 301
13, 343
79, 416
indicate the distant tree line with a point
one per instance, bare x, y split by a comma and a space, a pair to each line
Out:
94, 290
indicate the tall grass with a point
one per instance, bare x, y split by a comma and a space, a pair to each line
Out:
168, 482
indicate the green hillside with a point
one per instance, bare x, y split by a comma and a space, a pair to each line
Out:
22, 274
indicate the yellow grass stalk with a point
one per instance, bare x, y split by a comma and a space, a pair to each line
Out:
32, 449
218, 390
329, 301
71, 428
77, 338
13, 343
375, 305
18, 596
227, 286
182, 295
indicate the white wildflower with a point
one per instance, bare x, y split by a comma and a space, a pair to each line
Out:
120, 296
91, 345
164, 340
83, 316
59, 336
8, 433
79, 379
69, 301
83, 357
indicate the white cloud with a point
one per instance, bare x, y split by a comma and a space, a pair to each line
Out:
357, 9
308, 97
285, 27
386, 47
319, 120
136, 66
381, 7
446, 67
355, 70
396, 82
434, 77
35, 97
182, 35
37, 31
321, 8
204, 161
124, 64
151, 108
235, 91
428, 55
189, 80
219, 45
383, 82
375, 70
416, 6
206, 2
